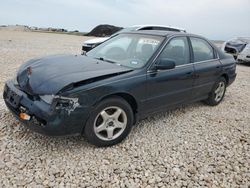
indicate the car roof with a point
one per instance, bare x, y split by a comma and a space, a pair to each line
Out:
162, 26
162, 33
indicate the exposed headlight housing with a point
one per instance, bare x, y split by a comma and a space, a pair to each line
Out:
60, 102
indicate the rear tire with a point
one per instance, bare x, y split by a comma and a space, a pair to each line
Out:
217, 93
109, 123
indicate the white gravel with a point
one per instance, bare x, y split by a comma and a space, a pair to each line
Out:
192, 146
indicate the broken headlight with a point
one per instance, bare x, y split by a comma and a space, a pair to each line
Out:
63, 103
68, 104
59, 101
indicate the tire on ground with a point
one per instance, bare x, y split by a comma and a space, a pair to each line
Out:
89, 132
211, 97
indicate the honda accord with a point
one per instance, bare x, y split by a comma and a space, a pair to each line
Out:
103, 93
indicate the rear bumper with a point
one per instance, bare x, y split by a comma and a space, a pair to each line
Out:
44, 119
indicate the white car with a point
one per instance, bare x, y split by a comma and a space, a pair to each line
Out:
92, 43
239, 47
244, 55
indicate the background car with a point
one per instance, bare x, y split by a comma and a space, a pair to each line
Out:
239, 47
92, 43
244, 55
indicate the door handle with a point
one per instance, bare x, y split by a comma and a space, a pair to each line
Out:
195, 76
190, 74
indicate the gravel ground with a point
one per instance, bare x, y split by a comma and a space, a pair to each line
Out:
192, 146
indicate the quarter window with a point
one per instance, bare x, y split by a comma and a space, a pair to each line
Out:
202, 50
177, 50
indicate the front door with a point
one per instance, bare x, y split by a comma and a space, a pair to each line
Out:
166, 88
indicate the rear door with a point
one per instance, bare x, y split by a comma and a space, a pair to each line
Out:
207, 67
166, 88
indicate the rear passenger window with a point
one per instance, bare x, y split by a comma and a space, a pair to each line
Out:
177, 50
202, 50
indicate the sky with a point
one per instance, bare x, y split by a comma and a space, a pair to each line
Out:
214, 19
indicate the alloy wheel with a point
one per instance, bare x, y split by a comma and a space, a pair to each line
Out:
110, 123
219, 91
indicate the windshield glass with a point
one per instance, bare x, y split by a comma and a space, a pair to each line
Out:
130, 50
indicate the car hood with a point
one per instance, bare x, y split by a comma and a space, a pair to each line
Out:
51, 74
238, 44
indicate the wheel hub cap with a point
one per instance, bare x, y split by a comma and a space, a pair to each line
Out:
219, 92
110, 123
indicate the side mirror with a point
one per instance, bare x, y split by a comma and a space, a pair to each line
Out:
164, 64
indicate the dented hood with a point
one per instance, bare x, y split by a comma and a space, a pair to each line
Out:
50, 74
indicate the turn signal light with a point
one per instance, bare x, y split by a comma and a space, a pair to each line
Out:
24, 116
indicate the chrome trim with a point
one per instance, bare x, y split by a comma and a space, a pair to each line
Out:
177, 67
205, 61
184, 65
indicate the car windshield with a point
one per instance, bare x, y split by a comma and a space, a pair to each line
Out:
130, 50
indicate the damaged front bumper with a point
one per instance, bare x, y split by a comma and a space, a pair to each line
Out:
45, 118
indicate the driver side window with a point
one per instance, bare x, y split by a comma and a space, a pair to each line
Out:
177, 50
122, 43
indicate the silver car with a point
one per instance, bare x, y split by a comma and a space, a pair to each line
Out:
239, 47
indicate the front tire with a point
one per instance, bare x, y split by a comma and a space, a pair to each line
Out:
217, 93
109, 123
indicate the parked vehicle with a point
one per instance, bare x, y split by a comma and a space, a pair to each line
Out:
132, 75
92, 43
239, 47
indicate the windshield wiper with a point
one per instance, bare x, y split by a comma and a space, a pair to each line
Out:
103, 59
